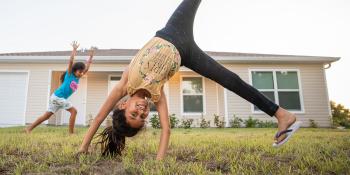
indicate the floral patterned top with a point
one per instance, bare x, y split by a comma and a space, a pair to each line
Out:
152, 66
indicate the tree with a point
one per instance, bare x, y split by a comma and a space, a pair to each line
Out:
341, 115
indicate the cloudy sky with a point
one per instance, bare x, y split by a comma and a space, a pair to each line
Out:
299, 27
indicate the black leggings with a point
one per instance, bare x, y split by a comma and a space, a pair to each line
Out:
179, 31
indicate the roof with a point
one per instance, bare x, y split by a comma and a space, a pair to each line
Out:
125, 55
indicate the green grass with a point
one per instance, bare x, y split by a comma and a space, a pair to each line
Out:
50, 150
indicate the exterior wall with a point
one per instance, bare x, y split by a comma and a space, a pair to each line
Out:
210, 98
40, 81
37, 88
314, 93
97, 91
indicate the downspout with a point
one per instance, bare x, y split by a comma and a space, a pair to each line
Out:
328, 101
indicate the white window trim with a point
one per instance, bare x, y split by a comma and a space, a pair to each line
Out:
26, 89
109, 79
203, 94
275, 90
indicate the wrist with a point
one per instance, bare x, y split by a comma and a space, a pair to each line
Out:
83, 148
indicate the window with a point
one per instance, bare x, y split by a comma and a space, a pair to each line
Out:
282, 87
113, 80
192, 94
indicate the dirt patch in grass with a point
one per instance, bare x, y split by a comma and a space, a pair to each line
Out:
4, 171
107, 167
103, 166
184, 154
277, 159
222, 166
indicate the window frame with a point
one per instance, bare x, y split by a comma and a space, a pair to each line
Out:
183, 113
276, 90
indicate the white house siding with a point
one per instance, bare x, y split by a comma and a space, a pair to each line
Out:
96, 92
314, 91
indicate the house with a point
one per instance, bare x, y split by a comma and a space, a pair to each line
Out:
297, 83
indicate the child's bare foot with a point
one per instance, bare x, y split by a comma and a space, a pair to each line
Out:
285, 119
27, 131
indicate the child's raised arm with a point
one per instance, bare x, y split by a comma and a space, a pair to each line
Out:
89, 60
118, 92
75, 46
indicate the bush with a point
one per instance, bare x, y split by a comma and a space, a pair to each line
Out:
267, 124
173, 121
204, 123
236, 122
218, 122
186, 123
155, 122
313, 124
251, 123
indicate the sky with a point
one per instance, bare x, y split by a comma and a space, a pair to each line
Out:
298, 27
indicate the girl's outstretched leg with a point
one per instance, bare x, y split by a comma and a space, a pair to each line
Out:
38, 121
206, 66
73, 113
203, 64
179, 28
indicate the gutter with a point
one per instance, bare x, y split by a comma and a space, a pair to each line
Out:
127, 59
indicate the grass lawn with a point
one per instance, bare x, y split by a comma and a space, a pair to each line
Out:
49, 150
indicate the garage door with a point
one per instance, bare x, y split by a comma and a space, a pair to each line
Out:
13, 91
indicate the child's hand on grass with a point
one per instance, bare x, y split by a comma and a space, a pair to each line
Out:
79, 153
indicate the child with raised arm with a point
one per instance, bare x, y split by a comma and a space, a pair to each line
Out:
171, 47
70, 80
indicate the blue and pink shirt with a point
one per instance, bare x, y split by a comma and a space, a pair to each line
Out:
68, 87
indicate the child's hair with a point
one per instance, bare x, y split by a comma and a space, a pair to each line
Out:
76, 66
112, 139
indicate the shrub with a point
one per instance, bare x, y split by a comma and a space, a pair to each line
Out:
313, 124
186, 123
218, 122
155, 121
173, 121
251, 123
267, 124
204, 123
236, 122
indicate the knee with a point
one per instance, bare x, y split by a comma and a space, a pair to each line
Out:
73, 111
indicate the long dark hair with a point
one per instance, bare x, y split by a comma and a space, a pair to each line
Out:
76, 66
112, 139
